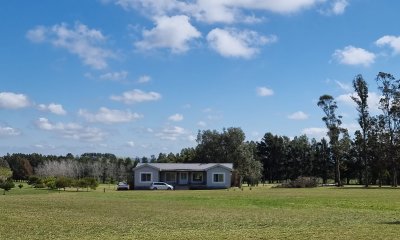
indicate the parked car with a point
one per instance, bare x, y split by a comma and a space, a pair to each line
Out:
161, 186
122, 186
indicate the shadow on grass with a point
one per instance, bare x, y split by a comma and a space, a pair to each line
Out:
392, 222
365, 188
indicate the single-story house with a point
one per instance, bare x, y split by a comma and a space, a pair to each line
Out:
184, 175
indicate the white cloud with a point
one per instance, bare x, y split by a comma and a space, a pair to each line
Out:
9, 131
234, 43
264, 91
351, 127
176, 117
344, 86
71, 130
11, 100
79, 40
391, 41
298, 116
339, 6
201, 124
130, 144
173, 32
192, 138
37, 34
217, 11
136, 96
53, 108
114, 76
171, 133
109, 116
373, 101
354, 56
144, 79
315, 132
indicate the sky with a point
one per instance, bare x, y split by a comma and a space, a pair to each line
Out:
140, 77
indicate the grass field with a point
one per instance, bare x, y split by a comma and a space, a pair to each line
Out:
261, 213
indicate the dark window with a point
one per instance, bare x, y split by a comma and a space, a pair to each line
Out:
218, 177
145, 177
197, 177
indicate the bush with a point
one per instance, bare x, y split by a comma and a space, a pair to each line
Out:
302, 182
63, 182
6, 185
33, 180
50, 182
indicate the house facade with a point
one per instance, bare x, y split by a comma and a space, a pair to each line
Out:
184, 175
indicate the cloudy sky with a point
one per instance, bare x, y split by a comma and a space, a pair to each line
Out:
140, 77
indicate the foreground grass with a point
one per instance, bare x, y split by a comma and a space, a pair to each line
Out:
262, 213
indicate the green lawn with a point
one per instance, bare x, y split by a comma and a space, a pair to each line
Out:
261, 213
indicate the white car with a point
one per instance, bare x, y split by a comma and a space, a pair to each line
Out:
161, 186
122, 186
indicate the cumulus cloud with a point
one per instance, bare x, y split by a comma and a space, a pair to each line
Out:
174, 33
71, 130
354, 56
264, 91
130, 144
109, 116
136, 96
391, 41
298, 116
315, 132
53, 108
202, 124
231, 42
221, 11
373, 101
6, 131
176, 117
144, 79
79, 40
339, 6
171, 133
114, 76
336, 7
10, 100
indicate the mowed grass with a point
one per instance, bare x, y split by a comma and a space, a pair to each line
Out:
260, 213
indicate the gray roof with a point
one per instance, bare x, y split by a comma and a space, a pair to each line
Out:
184, 166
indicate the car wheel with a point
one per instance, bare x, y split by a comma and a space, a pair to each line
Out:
154, 188
169, 188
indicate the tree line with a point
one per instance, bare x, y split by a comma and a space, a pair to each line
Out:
369, 156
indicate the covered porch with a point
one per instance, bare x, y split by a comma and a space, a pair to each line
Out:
184, 178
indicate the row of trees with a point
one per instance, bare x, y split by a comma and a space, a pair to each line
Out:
102, 167
376, 145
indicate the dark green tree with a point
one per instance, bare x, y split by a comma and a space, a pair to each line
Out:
390, 106
328, 105
361, 99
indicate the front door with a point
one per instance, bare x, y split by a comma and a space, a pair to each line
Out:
183, 178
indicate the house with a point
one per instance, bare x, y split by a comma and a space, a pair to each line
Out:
184, 175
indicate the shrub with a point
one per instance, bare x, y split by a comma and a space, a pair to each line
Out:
50, 182
6, 185
33, 180
302, 182
63, 182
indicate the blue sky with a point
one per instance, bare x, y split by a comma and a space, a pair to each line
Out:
140, 77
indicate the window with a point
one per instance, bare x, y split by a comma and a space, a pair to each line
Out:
197, 177
170, 177
184, 176
218, 177
145, 177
